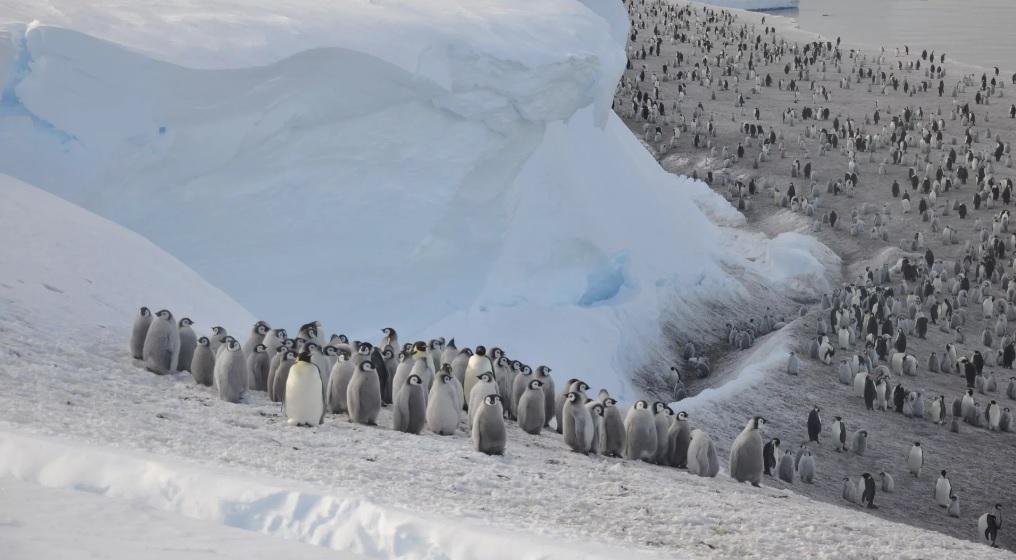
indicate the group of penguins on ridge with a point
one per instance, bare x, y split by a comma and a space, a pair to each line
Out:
428, 385
729, 56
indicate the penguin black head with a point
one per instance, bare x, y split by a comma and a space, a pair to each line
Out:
681, 415
366, 366
387, 353
261, 327
943, 473
535, 384
572, 397
260, 349
492, 400
144, 312
312, 346
597, 409
216, 330
817, 409
917, 444
866, 476
609, 402
365, 348
544, 370
445, 378
446, 368
389, 332
481, 351
203, 341
502, 361
516, 366
864, 433
657, 407
304, 356
837, 418
282, 348
776, 442
165, 314
583, 386
330, 350
420, 346
281, 334
526, 370
436, 344
487, 376
641, 405
758, 422
299, 342
496, 352
186, 322
414, 380
232, 345
290, 354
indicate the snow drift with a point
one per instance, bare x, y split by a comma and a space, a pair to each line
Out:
448, 167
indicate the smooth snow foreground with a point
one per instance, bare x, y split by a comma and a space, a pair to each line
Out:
447, 167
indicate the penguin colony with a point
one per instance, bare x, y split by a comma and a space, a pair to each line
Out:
925, 136
432, 386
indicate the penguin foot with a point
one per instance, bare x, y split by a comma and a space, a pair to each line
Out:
756, 485
872, 506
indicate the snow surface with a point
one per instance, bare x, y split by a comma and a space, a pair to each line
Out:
755, 5
449, 167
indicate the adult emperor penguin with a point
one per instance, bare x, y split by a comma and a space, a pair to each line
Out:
806, 468
363, 395
162, 344
839, 434
577, 423
943, 490
786, 468
702, 460
678, 438
989, 524
663, 416
304, 404
257, 368
256, 336
338, 383
868, 495
203, 363
870, 394
188, 342
746, 453
614, 430
770, 455
444, 404
888, 484
488, 427
231, 372
531, 409
915, 459
477, 364
549, 394
640, 433
139, 332
410, 407
814, 424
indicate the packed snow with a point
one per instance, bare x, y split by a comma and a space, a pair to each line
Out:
453, 167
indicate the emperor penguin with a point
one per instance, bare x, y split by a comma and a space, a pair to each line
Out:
139, 332
318, 358
280, 376
483, 387
203, 363
410, 411
915, 459
786, 468
257, 336
476, 365
423, 366
849, 490
994, 415
575, 386
599, 445
967, 404
662, 418
868, 494
943, 490
273, 338
814, 424
363, 395
231, 372
1005, 421
459, 365
188, 342
444, 404
746, 453
678, 438
389, 338
519, 386
614, 429
640, 433
449, 352
989, 524
806, 468
549, 392
793, 364
338, 383
257, 368
860, 441
219, 335
304, 405
702, 460
502, 376
436, 351
577, 423
488, 427
454, 384
162, 344
839, 434
770, 456
954, 506
888, 484
531, 409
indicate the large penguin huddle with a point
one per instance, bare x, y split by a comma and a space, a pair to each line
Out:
432, 386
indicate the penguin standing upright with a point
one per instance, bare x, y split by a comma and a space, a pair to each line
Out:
341, 375
943, 490
746, 453
162, 344
806, 468
614, 429
410, 407
888, 484
231, 372
640, 433
139, 331
549, 394
702, 460
444, 404
678, 438
203, 363
363, 395
476, 365
840, 434
770, 453
256, 336
786, 468
304, 404
577, 423
188, 342
915, 459
814, 425
257, 368
989, 524
954, 506
530, 409
488, 429
868, 496
279, 376
662, 418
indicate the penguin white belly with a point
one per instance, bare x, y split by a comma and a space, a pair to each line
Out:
942, 492
304, 401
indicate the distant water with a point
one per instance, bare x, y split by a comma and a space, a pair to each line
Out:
976, 32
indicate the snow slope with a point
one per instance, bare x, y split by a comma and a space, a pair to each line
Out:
449, 167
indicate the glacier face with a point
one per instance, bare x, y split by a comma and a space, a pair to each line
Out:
448, 167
